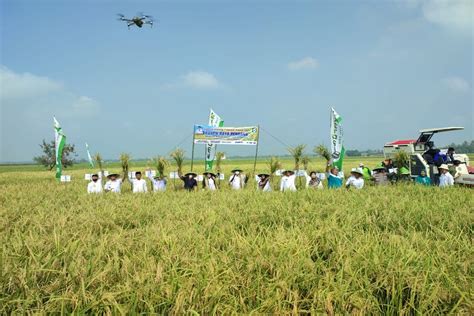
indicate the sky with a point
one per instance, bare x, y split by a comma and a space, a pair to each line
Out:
390, 68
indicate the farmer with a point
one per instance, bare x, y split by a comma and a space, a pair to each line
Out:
445, 178
209, 181
380, 176
190, 182
313, 181
450, 155
158, 182
263, 182
334, 178
114, 183
356, 179
367, 174
94, 186
139, 184
404, 175
423, 179
459, 169
287, 182
237, 180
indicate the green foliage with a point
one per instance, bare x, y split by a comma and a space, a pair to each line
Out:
297, 153
161, 163
273, 165
178, 156
464, 148
98, 160
323, 151
305, 160
401, 159
48, 158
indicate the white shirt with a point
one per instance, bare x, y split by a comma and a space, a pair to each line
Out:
266, 188
113, 186
236, 181
446, 180
308, 179
94, 187
287, 183
158, 185
356, 183
139, 186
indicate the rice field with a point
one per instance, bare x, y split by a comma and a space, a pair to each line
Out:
402, 249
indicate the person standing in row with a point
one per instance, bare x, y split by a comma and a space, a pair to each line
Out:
287, 182
114, 184
356, 179
158, 183
190, 182
263, 182
139, 184
313, 181
423, 178
445, 178
380, 176
95, 186
209, 181
334, 178
237, 180
366, 172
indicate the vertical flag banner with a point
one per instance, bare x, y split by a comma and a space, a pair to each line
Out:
215, 121
89, 157
59, 143
337, 146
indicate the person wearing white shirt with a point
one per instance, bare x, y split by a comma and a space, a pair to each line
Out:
114, 183
95, 186
158, 183
263, 182
237, 180
313, 181
209, 181
445, 179
287, 182
356, 179
139, 184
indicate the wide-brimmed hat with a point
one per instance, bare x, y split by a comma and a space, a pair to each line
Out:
236, 169
208, 172
378, 168
357, 170
444, 166
361, 164
191, 173
263, 175
113, 175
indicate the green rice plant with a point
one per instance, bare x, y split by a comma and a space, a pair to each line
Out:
125, 164
305, 160
98, 160
401, 159
273, 165
297, 153
323, 151
161, 163
219, 158
178, 156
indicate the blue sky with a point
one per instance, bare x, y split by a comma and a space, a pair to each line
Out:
389, 68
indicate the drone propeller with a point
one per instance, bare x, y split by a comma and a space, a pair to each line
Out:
120, 16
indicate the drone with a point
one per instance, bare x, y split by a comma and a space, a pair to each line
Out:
138, 20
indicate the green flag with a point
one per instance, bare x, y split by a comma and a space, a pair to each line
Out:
89, 157
337, 146
59, 143
215, 121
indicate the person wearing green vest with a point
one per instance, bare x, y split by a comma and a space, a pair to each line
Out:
404, 175
423, 178
366, 172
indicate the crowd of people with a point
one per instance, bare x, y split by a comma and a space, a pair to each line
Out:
384, 174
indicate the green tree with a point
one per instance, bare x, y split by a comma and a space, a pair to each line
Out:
48, 158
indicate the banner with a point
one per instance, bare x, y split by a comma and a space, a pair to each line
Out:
205, 134
59, 143
89, 157
215, 121
337, 146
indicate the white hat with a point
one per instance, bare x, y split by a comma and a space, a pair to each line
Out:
444, 166
361, 164
357, 170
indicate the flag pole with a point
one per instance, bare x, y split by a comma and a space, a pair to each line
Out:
256, 149
192, 154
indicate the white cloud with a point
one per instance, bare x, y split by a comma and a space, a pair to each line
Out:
305, 63
24, 85
200, 80
457, 84
455, 14
84, 106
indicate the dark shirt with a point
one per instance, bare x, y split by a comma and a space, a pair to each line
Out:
189, 184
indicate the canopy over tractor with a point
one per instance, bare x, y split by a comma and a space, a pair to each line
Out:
424, 156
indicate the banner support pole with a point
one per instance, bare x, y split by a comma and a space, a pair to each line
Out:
256, 149
192, 154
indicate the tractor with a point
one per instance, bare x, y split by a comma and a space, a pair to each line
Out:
422, 152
